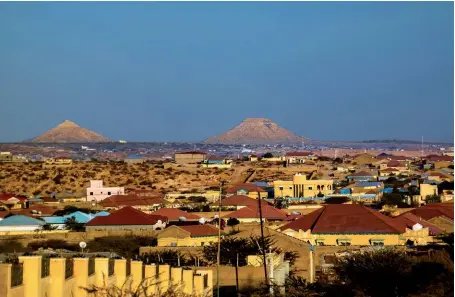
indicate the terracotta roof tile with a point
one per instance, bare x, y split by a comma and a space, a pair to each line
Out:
430, 211
241, 200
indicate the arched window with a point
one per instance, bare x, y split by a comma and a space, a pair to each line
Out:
319, 188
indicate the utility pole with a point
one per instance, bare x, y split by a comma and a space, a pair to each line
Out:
237, 275
218, 256
262, 241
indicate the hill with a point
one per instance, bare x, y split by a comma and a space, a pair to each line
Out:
69, 132
256, 131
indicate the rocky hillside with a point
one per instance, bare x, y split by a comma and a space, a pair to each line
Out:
257, 131
68, 132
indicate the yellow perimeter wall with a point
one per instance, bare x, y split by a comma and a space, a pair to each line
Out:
159, 278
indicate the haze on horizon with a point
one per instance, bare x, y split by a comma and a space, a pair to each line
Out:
167, 71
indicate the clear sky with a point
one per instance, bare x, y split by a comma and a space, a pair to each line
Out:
168, 71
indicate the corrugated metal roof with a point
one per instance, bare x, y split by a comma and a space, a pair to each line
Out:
20, 220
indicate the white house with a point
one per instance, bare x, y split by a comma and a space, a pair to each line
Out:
97, 192
20, 223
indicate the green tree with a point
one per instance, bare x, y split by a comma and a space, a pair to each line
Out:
72, 224
232, 222
433, 199
267, 155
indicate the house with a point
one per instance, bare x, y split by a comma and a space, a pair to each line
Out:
247, 189
438, 214
253, 158
438, 176
249, 214
127, 218
97, 192
354, 224
300, 186
239, 201
389, 172
362, 176
189, 157
191, 236
6, 157
11, 201
20, 223
80, 217
138, 202
216, 162
175, 215
364, 159
134, 159
428, 190
37, 210
58, 162
298, 157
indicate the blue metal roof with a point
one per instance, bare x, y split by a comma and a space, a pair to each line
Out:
261, 184
81, 217
368, 184
20, 220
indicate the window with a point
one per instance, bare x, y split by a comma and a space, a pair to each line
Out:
281, 188
108, 193
290, 187
378, 243
310, 188
202, 243
173, 244
320, 242
344, 243
91, 193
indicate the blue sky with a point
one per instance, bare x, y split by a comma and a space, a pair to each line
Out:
168, 71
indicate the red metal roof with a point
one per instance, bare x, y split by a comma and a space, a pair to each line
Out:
362, 173
241, 200
247, 187
345, 218
130, 200
409, 219
192, 153
435, 158
127, 216
429, 211
5, 197
173, 214
395, 164
247, 212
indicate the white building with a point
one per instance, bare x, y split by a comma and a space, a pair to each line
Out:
97, 192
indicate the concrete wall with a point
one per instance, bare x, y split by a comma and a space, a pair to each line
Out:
157, 278
189, 158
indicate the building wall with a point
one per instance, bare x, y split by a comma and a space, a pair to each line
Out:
428, 190
97, 192
301, 187
220, 166
187, 241
189, 158
19, 228
157, 278
134, 161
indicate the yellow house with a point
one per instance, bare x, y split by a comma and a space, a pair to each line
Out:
189, 157
300, 186
428, 190
58, 162
354, 224
247, 189
191, 235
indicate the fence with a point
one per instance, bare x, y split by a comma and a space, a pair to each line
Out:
26, 278
45, 266
17, 271
69, 267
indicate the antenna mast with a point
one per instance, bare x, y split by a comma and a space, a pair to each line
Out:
421, 150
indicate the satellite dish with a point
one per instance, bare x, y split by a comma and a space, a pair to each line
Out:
215, 216
182, 219
417, 227
83, 244
202, 221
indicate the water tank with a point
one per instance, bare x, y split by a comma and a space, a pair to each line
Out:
417, 227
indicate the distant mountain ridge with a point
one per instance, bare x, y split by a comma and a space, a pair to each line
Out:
256, 131
69, 132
